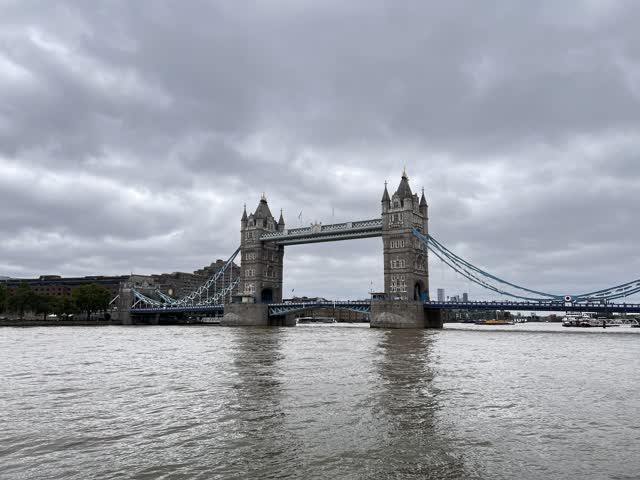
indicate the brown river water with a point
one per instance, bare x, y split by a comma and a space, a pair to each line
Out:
321, 401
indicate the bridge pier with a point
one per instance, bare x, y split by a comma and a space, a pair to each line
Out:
288, 320
124, 305
397, 314
245, 315
435, 318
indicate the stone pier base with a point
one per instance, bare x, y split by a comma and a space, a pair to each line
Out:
288, 320
397, 314
435, 318
245, 315
405, 314
124, 305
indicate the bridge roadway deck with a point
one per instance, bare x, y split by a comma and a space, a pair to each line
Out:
538, 306
364, 306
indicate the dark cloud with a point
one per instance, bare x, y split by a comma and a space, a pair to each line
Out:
131, 133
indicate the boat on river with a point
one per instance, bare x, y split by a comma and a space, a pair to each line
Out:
303, 320
585, 320
494, 322
578, 320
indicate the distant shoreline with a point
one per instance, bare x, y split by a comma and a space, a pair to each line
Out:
58, 323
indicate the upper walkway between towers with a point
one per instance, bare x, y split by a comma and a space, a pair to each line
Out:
326, 233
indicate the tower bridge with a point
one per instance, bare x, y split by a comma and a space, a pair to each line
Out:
255, 297
406, 276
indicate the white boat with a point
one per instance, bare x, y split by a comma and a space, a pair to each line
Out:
585, 320
577, 320
316, 320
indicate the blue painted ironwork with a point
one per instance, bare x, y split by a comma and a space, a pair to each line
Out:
165, 298
364, 306
359, 306
537, 306
168, 310
612, 293
140, 298
202, 292
470, 272
221, 295
326, 233
481, 277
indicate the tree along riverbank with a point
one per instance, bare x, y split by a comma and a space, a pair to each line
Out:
57, 323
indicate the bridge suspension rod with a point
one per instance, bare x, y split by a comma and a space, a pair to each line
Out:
461, 270
199, 292
463, 267
433, 244
190, 298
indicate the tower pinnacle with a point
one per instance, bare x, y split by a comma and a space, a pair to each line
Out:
404, 190
385, 195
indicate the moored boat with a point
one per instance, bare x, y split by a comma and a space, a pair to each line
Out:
316, 320
494, 322
584, 320
577, 320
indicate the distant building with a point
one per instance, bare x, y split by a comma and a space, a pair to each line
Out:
58, 286
441, 296
230, 275
176, 284
179, 284
465, 297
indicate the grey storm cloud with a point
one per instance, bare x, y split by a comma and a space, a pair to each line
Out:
132, 133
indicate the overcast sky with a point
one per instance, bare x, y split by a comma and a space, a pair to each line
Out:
132, 133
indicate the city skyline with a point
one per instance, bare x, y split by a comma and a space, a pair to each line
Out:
120, 153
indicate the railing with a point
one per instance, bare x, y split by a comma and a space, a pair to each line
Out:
177, 309
319, 230
539, 306
359, 306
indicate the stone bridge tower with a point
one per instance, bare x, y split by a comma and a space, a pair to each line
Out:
261, 262
406, 274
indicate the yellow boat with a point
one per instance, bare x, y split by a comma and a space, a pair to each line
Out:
495, 322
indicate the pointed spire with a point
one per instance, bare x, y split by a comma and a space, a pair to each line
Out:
244, 214
423, 201
404, 190
281, 221
263, 211
385, 195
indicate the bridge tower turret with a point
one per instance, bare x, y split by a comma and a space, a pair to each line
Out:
406, 275
261, 264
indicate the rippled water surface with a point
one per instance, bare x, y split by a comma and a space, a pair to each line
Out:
317, 402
